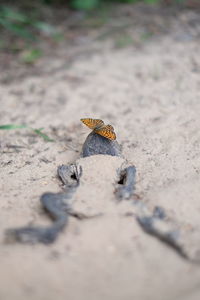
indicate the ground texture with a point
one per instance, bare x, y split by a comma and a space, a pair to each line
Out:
149, 90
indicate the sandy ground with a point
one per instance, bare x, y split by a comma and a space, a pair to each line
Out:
151, 95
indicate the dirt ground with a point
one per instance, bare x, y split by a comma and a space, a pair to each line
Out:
149, 90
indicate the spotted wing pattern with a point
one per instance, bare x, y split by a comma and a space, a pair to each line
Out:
107, 131
93, 123
110, 127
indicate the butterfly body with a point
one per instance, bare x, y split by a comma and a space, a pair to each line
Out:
98, 126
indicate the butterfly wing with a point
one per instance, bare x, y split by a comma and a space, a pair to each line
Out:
110, 127
92, 123
107, 132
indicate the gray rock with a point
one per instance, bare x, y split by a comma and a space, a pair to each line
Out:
97, 144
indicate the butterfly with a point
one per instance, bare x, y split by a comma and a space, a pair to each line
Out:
100, 128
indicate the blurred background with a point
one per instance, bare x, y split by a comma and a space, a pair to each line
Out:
30, 29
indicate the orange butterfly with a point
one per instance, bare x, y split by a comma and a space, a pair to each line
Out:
99, 127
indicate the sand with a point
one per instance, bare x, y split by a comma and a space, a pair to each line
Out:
151, 95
